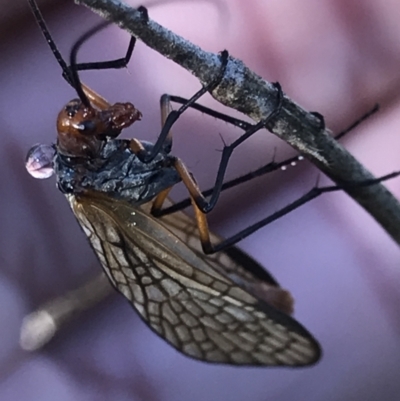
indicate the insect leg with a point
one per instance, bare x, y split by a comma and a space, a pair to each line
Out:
312, 194
210, 112
187, 178
245, 125
206, 206
117, 63
110, 64
175, 114
137, 147
159, 200
201, 202
100, 65
266, 169
201, 219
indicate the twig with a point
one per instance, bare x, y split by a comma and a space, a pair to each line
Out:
39, 327
243, 90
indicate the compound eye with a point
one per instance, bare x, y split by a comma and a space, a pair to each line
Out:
39, 161
85, 127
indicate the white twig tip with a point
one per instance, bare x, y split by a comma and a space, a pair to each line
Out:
37, 329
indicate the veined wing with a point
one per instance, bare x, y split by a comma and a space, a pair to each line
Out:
199, 311
234, 263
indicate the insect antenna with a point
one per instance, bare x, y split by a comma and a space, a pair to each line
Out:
69, 74
73, 70
49, 39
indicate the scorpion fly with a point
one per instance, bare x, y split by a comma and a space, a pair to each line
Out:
219, 308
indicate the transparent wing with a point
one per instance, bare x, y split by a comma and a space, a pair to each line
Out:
234, 263
198, 310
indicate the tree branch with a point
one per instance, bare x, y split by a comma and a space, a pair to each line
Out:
243, 90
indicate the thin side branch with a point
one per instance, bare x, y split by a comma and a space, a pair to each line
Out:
243, 90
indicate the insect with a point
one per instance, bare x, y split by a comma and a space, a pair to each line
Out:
222, 308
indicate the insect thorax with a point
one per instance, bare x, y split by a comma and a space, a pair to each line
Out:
117, 172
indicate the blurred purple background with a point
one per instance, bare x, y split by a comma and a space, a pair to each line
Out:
333, 56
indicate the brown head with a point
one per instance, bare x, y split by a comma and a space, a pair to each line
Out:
82, 129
